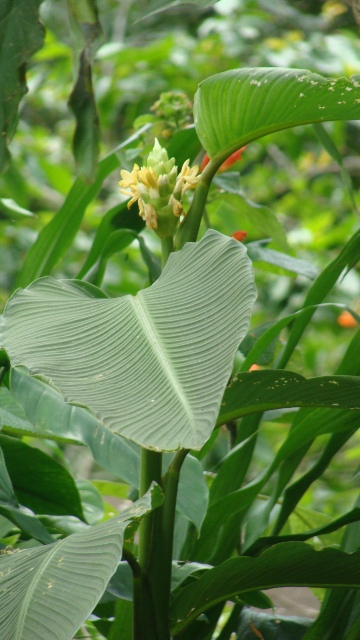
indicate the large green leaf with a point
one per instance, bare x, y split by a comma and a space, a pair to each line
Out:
48, 592
286, 564
153, 367
268, 389
21, 34
235, 107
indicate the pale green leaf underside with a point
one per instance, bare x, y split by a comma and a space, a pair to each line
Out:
152, 367
48, 592
235, 107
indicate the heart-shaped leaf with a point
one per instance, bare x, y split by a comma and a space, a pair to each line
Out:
48, 592
237, 106
152, 367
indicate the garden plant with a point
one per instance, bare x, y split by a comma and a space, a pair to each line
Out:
171, 388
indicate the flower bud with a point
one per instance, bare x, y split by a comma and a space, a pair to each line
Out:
158, 188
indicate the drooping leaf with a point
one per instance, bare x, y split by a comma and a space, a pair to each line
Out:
21, 34
260, 253
153, 367
264, 390
233, 108
286, 564
40, 483
48, 592
72, 424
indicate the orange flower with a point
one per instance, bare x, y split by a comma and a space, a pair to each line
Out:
237, 155
346, 320
239, 235
254, 367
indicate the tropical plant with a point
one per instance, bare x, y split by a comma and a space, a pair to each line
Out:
148, 382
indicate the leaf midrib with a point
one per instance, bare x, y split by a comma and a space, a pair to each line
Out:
154, 341
32, 588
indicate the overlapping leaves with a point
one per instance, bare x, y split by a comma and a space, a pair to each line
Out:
154, 367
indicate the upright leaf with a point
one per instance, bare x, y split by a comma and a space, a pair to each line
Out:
82, 99
153, 367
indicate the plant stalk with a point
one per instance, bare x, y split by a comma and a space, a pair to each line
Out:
167, 512
166, 248
150, 471
145, 627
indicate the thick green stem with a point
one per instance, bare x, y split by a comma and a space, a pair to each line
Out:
166, 249
150, 471
168, 509
145, 627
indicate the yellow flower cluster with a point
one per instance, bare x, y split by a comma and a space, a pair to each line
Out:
158, 189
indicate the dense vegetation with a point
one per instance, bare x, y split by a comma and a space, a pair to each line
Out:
166, 458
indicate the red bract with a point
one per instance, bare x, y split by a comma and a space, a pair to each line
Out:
239, 235
237, 155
